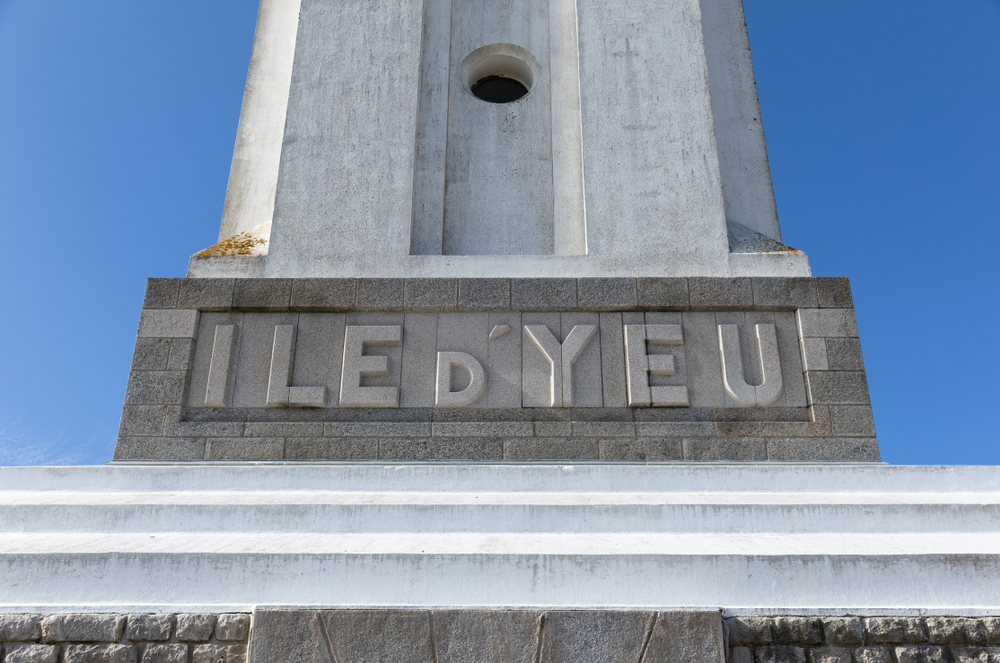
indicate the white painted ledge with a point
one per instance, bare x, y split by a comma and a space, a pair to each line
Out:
817, 539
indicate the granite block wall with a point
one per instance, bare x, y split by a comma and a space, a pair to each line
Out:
124, 638
164, 417
863, 639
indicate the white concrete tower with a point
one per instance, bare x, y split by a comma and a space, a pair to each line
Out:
618, 140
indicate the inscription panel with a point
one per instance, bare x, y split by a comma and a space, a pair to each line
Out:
510, 360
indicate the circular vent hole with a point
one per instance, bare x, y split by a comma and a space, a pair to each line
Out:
498, 89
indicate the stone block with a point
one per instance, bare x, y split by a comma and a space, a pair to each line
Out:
774, 428
556, 448
82, 628
503, 389
828, 323
844, 354
780, 654
741, 655
834, 292
219, 654
725, 449
553, 428
262, 294
830, 655
494, 414
323, 294
161, 293
284, 429
195, 627
379, 294
159, 448
838, 387
975, 654
244, 448
142, 421
659, 449
149, 628
151, 354
484, 294
852, 420
377, 429
255, 350
543, 294
872, 655
424, 414
797, 630
541, 367
373, 635
430, 294
606, 294
232, 627
765, 414
261, 448
702, 359
675, 429
181, 354
155, 388
207, 294
176, 323
204, 428
992, 626
778, 292
712, 293
101, 654
921, 654
484, 636
177, 653
582, 378
895, 630
484, 429
748, 630
603, 429
829, 449
642, 449
613, 360
342, 448
585, 636
844, 631
814, 354
956, 631
418, 368
31, 654
663, 294
20, 628
211, 414
456, 448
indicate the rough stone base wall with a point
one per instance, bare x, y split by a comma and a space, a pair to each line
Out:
863, 640
832, 421
132, 638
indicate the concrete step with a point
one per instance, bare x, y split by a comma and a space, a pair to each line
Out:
773, 538
447, 518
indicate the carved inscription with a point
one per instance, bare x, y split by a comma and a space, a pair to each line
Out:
554, 359
732, 366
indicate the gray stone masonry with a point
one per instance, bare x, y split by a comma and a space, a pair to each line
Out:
465, 636
131, 638
863, 639
830, 420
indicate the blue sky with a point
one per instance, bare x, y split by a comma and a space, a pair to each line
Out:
117, 122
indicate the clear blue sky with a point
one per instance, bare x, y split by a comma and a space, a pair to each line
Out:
117, 122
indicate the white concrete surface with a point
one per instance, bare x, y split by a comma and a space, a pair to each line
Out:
640, 137
739, 130
254, 172
747, 538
